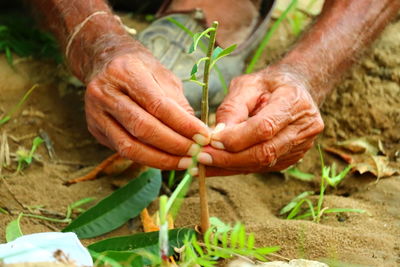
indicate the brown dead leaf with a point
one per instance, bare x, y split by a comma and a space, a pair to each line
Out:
363, 156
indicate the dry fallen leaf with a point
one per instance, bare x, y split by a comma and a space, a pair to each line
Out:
362, 154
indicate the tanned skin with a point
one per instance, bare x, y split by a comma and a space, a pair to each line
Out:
136, 106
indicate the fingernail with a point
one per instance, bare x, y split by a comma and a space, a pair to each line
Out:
219, 127
194, 150
184, 163
217, 144
204, 158
194, 171
201, 139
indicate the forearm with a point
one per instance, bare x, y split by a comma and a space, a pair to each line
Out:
341, 32
97, 38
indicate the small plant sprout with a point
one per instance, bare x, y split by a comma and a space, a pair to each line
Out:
328, 178
212, 56
24, 157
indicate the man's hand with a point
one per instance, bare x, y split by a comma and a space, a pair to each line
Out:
270, 122
136, 106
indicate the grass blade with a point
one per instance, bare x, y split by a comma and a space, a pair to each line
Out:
267, 37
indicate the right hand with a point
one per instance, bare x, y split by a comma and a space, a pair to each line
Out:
136, 106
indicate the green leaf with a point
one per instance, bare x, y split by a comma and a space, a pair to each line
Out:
81, 202
296, 173
267, 250
294, 202
13, 229
296, 209
194, 70
9, 56
175, 201
197, 37
220, 53
122, 205
141, 241
117, 258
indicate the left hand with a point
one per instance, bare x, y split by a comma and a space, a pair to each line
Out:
270, 122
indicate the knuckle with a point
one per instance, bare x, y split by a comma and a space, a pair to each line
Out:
155, 106
93, 92
141, 129
265, 155
128, 150
266, 128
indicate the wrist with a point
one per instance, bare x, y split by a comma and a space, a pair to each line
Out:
98, 41
308, 75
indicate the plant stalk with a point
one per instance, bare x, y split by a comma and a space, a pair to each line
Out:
204, 214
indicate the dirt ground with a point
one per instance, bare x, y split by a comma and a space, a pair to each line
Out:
365, 103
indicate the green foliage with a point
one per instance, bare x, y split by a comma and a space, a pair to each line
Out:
17, 35
296, 173
13, 229
122, 205
267, 37
222, 242
216, 54
25, 157
126, 249
328, 178
7, 117
203, 48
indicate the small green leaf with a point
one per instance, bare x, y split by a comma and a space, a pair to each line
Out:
3, 211
216, 52
13, 229
9, 56
197, 37
194, 70
220, 53
296, 209
175, 201
296, 173
81, 202
122, 205
294, 202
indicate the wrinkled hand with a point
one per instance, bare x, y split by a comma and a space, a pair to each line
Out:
136, 106
271, 121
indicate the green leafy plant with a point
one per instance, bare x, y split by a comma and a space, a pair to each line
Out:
222, 243
18, 36
24, 157
330, 178
203, 47
13, 229
116, 209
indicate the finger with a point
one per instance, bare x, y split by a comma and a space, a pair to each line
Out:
150, 94
147, 128
268, 123
212, 171
259, 156
240, 101
131, 148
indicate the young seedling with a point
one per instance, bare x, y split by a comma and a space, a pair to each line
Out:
24, 157
212, 56
328, 178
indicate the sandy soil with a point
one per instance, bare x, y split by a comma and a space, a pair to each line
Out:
366, 103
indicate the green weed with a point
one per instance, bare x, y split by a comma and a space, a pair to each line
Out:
24, 157
330, 178
18, 36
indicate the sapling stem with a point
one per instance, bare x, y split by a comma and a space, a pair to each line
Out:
204, 214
